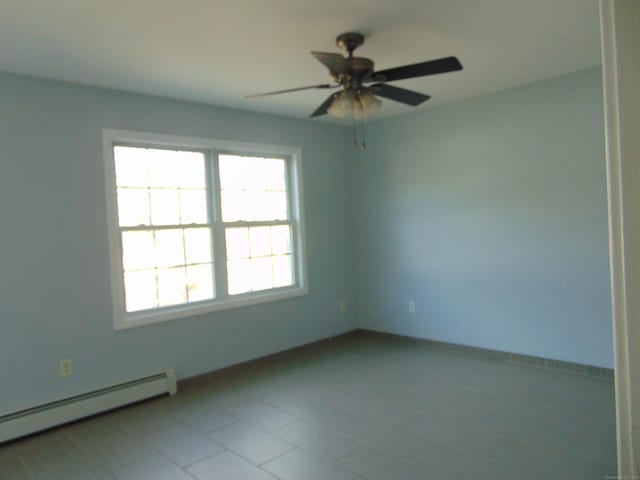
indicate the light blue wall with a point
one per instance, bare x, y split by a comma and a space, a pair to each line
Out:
54, 279
491, 214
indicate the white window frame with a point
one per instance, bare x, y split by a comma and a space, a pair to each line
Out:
222, 301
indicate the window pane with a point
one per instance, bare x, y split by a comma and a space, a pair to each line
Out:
260, 238
263, 205
164, 168
233, 172
197, 245
233, 205
237, 243
261, 273
169, 248
132, 167
275, 205
165, 207
137, 250
199, 282
133, 207
193, 206
238, 276
273, 174
250, 173
190, 170
140, 290
280, 239
171, 286
253, 188
282, 271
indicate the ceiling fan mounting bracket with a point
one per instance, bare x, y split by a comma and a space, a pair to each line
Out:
350, 41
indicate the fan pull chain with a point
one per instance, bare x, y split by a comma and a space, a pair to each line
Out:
356, 144
355, 133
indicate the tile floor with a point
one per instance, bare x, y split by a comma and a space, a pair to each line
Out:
360, 408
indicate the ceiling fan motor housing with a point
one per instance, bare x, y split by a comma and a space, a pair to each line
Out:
360, 70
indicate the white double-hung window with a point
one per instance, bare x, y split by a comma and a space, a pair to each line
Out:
200, 225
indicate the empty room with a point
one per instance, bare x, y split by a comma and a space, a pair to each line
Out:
311, 240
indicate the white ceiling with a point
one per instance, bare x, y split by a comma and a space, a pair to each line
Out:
217, 51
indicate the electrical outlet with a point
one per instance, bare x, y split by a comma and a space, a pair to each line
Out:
412, 306
66, 367
343, 305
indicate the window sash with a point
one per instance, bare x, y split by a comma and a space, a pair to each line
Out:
269, 256
220, 226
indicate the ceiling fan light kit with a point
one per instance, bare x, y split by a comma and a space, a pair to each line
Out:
351, 102
352, 74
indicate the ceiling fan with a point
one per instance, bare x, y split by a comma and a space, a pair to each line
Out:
353, 74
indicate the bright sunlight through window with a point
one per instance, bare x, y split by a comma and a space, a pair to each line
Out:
197, 230
259, 256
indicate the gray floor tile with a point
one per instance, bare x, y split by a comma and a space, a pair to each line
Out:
154, 467
299, 465
111, 448
534, 433
316, 440
594, 450
227, 466
456, 464
453, 434
496, 403
351, 403
250, 443
539, 464
12, 469
375, 465
374, 431
183, 446
259, 414
568, 422
204, 418
74, 471
318, 413
63, 460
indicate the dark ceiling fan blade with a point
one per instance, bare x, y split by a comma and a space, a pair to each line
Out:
322, 109
277, 92
401, 95
335, 62
432, 67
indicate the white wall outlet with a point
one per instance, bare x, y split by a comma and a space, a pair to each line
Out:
66, 367
412, 306
342, 306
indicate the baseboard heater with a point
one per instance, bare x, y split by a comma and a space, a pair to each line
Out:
59, 412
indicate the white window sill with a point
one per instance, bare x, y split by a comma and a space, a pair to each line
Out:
124, 321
